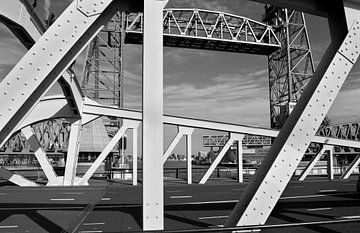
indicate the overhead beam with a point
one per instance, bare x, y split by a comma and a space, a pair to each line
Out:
100, 110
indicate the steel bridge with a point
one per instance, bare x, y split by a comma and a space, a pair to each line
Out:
23, 89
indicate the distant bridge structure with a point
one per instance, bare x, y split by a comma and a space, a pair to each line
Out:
23, 103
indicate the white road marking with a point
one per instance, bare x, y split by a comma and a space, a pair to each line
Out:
212, 217
178, 197
319, 209
93, 223
306, 196
74, 193
174, 191
349, 217
105, 199
5, 227
208, 202
62, 199
328, 191
237, 189
89, 231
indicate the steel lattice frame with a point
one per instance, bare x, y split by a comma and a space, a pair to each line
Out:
65, 39
212, 30
291, 67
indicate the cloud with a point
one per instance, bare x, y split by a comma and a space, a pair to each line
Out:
233, 98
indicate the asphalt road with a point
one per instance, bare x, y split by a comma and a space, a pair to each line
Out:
111, 207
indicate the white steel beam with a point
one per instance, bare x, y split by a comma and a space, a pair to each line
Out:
97, 109
127, 124
330, 163
239, 155
233, 137
40, 154
21, 20
351, 168
181, 132
188, 156
72, 153
153, 195
30, 79
135, 155
50, 107
16, 179
313, 162
270, 180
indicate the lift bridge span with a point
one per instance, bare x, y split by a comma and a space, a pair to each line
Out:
23, 102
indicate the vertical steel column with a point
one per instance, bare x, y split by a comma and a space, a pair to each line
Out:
330, 163
239, 151
153, 195
135, 155
72, 153
188, 158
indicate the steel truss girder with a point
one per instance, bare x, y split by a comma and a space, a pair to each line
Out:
127, 124
181, 132
92, 109
351, 168
271, 178
204, 29
232, 139
314, 160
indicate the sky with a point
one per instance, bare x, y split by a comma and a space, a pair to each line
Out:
227, 87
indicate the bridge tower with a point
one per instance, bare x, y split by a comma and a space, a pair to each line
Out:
103, 75
292, 66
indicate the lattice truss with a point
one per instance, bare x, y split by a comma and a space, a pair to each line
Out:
213, 30
102, 78
292, 66
248, 140
23, 103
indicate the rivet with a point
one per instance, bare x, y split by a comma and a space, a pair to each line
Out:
21, 68
5, 93
254, 208
59, 25
51, 54
12, 99
55, 34
30, 63
9, 109
94, 11
43, 48
87, 12
8, 83
38, 68
35, 79
47, 64
26, 84
22, 93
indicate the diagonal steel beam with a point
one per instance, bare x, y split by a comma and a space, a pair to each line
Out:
40, 154
30, 79
313, 162
232, 139
127, 124
351, 168
261, 195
